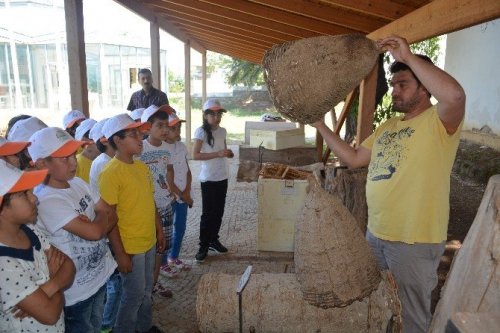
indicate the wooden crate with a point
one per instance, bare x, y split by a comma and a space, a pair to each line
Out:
266, 125
276, 139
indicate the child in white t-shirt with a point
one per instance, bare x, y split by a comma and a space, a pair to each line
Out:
33, 273
180, 186
210, 147
77, 224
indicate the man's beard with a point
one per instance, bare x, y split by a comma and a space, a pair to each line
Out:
405, 106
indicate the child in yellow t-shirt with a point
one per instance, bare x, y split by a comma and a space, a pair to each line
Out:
89, 153
126, 186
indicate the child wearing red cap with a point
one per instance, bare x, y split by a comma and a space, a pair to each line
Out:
34, 274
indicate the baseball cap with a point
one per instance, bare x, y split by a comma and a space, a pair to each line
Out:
72, 117
84, 127
11, 147
96, 131
15, 180
137, 113
23, 129
151, 110
173, 120
213, 104
121, 122
54, 142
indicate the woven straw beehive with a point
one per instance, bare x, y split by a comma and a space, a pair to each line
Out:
308, 77
333, 261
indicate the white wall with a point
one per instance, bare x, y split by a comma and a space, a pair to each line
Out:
473, 58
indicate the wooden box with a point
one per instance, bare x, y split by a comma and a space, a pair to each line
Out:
276, 139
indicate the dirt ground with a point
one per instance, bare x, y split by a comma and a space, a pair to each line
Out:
465, 198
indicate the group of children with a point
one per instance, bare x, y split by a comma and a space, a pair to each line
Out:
92, 214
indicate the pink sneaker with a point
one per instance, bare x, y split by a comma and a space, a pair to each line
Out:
168, 271
178, 264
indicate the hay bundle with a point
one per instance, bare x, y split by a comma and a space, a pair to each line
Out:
273, 303
308, 77
333, 261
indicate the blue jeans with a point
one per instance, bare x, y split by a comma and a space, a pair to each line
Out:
180, 218
113, 295
135, 312
85, 316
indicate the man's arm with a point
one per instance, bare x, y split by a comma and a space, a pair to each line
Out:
441, 85
354, 158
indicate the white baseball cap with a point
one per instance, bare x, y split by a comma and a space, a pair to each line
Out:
84, 127
23, 129
151, 110
213, 104
137, 113
173, 120
72, 117
15, 180
54, 142
11, 147
96, 131
121, 122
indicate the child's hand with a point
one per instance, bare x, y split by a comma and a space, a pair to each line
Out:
160, 241
229, 153
124, 262
55, 259
18, 313
84, 218
188, 200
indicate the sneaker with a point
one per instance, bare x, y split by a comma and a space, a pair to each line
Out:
202, 253
168, 271
154, 329
106, 330
161, 291
178, 264
217, 247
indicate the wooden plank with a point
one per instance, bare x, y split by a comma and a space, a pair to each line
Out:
336, 15
367, 105
319, 145
340, 122
473, 282
203, 77
187, 13
198, 22
187, 91
238, 54
73, 12
440, 17
389, 10
290, 19
154, 30
226, 13
143, 11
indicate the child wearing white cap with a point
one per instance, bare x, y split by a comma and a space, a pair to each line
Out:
180, 186
34, 274
210, 147
77, 223
89, 153
21, 130
72, 120
9, 151
126, 186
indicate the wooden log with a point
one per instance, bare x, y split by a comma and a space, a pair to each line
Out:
273, 303
473, 283
333, 262
350, 186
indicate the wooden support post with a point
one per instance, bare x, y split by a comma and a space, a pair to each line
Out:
77, 66
319, 145
154, 31
340, 122
367, 105
203, 77
187, 91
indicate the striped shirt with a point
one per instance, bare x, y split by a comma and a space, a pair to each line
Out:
139, 99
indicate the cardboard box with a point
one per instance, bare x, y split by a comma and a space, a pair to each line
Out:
279, 203
276, 139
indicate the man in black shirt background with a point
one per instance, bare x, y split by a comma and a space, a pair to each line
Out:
148, 95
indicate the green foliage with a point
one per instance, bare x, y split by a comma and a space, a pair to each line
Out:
175, 82
244, 73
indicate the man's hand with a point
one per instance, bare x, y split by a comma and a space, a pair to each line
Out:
397, 46
318, 123
124, 262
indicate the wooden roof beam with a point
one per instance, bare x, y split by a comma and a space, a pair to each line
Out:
224, 13
268, 13
221, 28
384, 9
193, 14
150, 16
235, 52
336, 15
440, 17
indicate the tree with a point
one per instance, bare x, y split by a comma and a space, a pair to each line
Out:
245, 73
175, 82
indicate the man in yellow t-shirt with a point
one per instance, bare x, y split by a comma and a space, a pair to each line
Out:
409, 161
